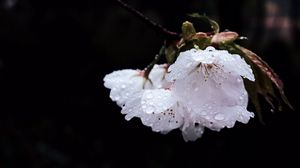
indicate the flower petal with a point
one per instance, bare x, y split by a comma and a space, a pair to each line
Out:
157, 77
123, 84
162, 121
232, 63
191, 131
157, 100
183, 65
212, 104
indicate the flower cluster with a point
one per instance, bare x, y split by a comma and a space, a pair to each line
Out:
202, 88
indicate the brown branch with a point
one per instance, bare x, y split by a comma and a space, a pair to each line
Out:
157, 27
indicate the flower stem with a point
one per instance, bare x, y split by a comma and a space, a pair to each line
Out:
156, 59
157, 27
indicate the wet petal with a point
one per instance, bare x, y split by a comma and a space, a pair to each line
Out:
123, 84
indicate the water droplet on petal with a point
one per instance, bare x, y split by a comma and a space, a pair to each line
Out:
123, 86
239, 80
117, 98
149, 109
203, 112
149, 96
159, 86
219, 117
196, 89
188, 65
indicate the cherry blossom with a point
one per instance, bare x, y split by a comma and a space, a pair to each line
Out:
203, 88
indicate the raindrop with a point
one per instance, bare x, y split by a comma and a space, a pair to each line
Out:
149, 96
149, 109
188, 65
219, 117
203, 112
117, 98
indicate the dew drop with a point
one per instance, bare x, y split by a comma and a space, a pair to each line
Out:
203, 112
241, 98
117, 98
149, 96
219, 117
123, 86
188, 65
149, 109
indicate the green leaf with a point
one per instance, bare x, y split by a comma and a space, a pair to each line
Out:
171, 53
188, 30
213, 24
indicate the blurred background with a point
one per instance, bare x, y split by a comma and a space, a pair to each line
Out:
55, 111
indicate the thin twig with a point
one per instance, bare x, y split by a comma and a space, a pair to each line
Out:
157, 27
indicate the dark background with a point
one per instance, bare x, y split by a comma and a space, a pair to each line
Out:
55, 112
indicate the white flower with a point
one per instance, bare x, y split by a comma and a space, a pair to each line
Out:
161, 109
125, 83
201, 89
219, 61
210, 83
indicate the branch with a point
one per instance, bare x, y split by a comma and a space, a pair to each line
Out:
157, 27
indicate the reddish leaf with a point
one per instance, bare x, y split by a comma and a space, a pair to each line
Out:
267, 70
